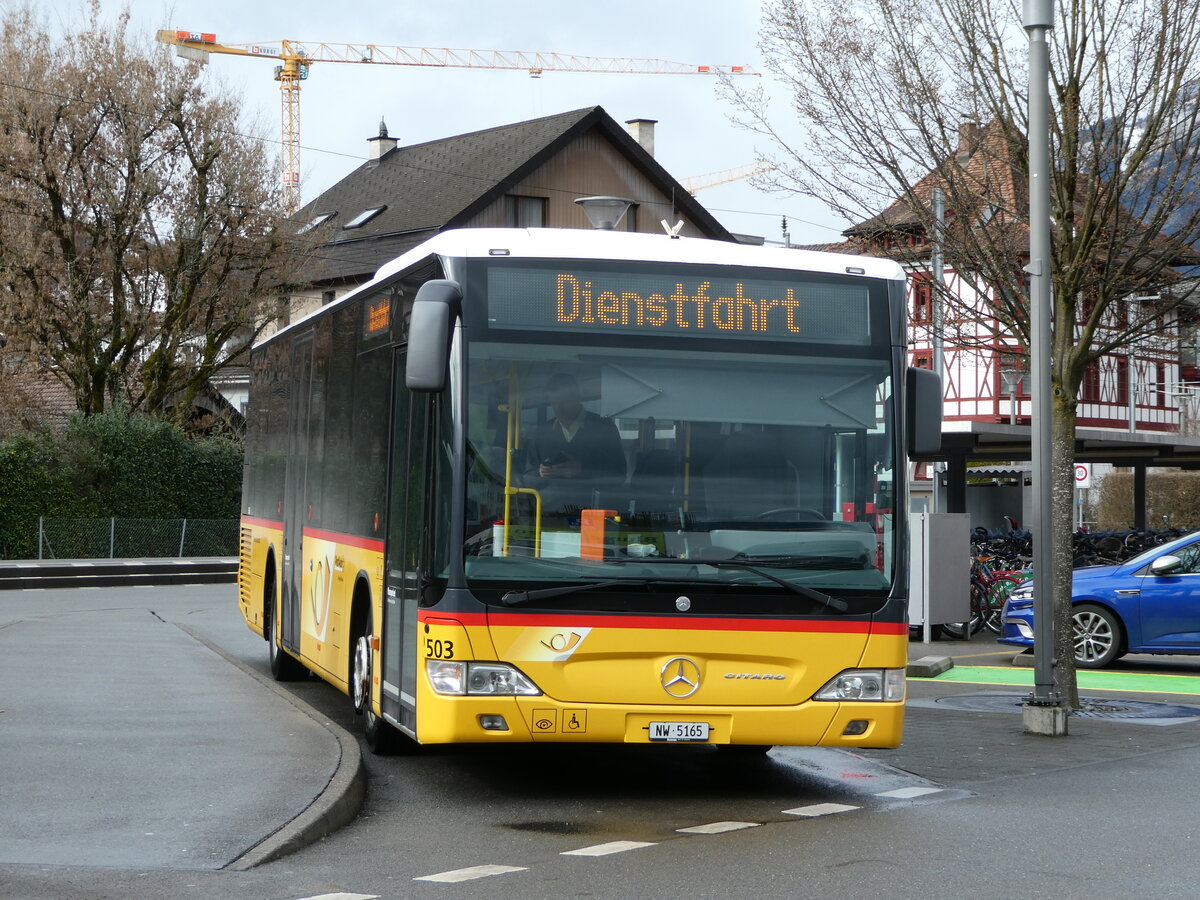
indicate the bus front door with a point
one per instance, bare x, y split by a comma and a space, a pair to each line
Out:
408, 472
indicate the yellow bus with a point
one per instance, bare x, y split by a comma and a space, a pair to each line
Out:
550, 485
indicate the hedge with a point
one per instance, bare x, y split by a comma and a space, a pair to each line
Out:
113, 464
1175, 495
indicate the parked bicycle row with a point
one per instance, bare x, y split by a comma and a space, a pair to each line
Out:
1091, 548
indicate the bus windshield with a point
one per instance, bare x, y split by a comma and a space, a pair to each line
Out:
594, 470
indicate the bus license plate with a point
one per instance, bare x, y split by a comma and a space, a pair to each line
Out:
679, 731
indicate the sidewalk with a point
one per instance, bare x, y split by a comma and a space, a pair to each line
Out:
136, 734
965, 729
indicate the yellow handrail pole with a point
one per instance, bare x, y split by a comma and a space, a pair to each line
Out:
537, 518
512, 409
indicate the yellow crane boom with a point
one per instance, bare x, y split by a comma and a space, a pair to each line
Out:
725, 176
297, 56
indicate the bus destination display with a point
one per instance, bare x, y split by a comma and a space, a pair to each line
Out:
709, 305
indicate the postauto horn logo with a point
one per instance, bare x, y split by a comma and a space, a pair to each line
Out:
680, 677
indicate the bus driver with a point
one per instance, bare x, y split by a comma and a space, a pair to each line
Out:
577, 453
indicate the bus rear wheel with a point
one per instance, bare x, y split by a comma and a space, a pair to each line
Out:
381, 737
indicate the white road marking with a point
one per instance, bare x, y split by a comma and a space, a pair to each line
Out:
718, 827
607, 849
471, 873
343, 896
909, 792
819, 809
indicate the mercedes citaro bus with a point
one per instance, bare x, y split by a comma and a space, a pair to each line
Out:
737, 575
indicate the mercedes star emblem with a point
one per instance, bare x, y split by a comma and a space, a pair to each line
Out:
680, 677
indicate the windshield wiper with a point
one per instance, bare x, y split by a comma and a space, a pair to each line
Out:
824, 599
820, 561
516, 598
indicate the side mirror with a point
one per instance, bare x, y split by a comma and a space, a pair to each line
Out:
434, 309
923, 412
1165, 565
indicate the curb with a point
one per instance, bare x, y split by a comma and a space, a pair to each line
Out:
337, 804
71, 573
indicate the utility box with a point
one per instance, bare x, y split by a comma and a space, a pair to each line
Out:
939, 581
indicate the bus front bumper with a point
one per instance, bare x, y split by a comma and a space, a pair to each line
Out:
867, 724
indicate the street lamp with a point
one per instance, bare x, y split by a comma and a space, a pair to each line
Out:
605, 213
1010, 381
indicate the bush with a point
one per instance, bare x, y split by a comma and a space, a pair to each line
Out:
113, 464
1175, 495
33, 483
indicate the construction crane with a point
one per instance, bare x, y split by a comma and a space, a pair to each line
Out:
296, 57
724, 176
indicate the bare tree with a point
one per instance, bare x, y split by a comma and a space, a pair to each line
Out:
882, 90
140, 228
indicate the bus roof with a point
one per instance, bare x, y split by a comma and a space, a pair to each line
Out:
576, 243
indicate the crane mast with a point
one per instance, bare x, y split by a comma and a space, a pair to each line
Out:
296, 57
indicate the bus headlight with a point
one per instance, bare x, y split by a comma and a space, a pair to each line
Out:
865, 684
475, 678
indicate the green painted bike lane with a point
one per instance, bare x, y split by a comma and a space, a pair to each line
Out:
1134, 682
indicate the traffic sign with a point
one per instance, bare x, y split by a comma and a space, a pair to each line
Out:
1083, 475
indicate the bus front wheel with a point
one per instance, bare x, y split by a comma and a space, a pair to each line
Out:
381, 737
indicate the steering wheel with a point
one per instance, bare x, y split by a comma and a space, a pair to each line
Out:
802, 513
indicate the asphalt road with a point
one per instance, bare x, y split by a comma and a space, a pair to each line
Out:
97, 685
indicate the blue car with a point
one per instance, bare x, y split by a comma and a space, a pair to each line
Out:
1148, 604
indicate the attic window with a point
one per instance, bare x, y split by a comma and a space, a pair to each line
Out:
364, 217
316, 221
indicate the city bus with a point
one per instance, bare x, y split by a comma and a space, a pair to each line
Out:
420, 527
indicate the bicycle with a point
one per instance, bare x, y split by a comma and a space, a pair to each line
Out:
989, 589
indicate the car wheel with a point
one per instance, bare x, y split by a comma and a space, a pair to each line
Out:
1098, 636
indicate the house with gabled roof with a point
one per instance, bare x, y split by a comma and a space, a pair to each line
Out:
984, 366
1129, 409
526, 174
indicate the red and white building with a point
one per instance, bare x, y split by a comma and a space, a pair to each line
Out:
1135, 403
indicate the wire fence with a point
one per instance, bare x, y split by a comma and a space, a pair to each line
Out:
136, 538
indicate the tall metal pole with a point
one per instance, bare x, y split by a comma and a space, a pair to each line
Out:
1043, 713
937, 317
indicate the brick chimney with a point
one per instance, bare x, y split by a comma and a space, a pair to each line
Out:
642, 131
968, 140
380, 145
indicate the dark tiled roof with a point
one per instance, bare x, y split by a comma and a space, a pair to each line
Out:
441, 184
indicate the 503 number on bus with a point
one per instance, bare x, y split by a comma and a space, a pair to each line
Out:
436, 649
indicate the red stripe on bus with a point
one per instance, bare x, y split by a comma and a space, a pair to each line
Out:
262, 523
347, 539
709, 623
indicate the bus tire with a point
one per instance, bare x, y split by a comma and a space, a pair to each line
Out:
283, 666
380, 736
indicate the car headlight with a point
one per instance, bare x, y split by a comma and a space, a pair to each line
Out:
475, 678
1022, 594
865, 684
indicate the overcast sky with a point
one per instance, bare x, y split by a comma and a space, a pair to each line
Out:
341, 105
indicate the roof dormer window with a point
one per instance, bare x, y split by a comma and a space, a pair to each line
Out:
364, 217
315, 222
